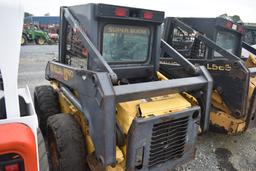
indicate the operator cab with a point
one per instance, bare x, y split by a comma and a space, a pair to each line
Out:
217, 44
224, 32
127, 38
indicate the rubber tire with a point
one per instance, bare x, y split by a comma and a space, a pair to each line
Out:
65, 134
46, 104
42, 153
25, 40
38, 41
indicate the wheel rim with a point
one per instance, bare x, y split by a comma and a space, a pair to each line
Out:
22, 40
41, 41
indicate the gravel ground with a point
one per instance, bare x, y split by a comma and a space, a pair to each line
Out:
214, 151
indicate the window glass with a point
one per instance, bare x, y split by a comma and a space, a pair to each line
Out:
248, 37
124, 43
227, 41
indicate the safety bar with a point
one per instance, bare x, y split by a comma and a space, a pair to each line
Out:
166, 48
71, 97
87, 42
208, 42
151, 89
249, 48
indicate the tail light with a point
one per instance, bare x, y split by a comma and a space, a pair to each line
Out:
229, 25
11, 162
121, 12
12, 167
240, 29
148, 15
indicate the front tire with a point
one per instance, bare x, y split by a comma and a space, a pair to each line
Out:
46, 104
66, 143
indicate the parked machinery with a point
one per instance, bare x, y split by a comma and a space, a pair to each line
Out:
35, 35
113, 109
250, 33
217, 43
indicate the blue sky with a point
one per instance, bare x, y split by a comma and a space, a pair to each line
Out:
178, 8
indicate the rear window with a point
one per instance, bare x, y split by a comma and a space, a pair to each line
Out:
226, 40
124, 43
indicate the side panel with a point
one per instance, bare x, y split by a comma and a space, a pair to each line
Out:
231, 80
96, 96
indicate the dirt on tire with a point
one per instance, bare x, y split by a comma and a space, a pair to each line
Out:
66, 143
46, 104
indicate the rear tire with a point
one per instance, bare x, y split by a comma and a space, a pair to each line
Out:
66, 143
42, 154
46, 104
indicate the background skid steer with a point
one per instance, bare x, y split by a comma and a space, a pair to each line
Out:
217, 43
117, 111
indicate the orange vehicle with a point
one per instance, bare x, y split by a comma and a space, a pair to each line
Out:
21, 143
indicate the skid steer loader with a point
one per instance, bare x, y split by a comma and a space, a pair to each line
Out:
216, 43
112, 109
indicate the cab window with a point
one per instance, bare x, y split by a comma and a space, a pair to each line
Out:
124, 43
227, 41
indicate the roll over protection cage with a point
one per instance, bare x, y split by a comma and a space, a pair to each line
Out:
99, 94
247, 110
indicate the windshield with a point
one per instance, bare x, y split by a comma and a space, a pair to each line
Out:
123, 43
226, 40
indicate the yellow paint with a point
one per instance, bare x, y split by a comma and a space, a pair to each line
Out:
161, 76
222, 117
64, 73
126, 112
218, 103
190, 98
250, 62
230, 124
171, 103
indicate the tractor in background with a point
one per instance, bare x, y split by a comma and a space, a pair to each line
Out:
32, 34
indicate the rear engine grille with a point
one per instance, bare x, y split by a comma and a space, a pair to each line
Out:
168, 141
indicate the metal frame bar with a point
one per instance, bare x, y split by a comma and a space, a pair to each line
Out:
87, 42
166, 48
208, 42
157, 88
249, 48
